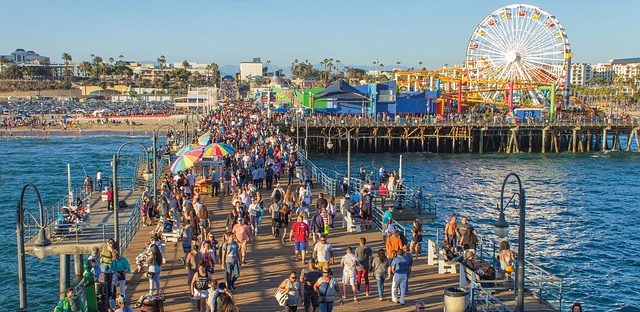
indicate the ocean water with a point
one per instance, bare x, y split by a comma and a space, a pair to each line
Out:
582, 211
44, 163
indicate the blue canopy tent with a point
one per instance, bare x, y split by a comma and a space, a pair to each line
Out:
342, 98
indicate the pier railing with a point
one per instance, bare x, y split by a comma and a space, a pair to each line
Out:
597, 122
407, 197
543, 284
66, 231
129, 230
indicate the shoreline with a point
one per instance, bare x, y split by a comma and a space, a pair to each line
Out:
39, 133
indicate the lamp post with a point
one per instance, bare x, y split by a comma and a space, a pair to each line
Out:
155, 161
114, 164
501, 228
41, 243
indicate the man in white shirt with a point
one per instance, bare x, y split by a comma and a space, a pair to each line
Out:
349, 263
99, 180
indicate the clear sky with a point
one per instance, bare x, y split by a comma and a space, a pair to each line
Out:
354, 31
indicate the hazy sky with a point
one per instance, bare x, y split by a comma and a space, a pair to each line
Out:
354, 31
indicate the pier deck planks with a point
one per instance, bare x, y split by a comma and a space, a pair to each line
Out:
270, 262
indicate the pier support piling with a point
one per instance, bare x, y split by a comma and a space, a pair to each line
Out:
481, 141
544, 139
65, 279
78, 265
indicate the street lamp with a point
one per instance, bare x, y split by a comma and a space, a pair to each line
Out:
501, 228
42, 244
329, 142
147, 174
154, 151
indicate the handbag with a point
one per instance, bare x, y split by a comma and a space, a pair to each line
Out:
508, 268
327, 229
281, 297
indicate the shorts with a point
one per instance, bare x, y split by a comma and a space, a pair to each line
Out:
300, 246
322, 265
200, 293
186, 249
349, 279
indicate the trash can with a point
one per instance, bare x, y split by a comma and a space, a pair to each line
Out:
455, 299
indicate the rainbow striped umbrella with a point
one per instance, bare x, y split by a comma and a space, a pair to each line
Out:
218, 150
186, 161
204, 139
188, 148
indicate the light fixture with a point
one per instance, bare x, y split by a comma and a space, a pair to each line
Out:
329, 144
501, 227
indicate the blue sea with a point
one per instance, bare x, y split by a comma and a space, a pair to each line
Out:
44, 163
582, 211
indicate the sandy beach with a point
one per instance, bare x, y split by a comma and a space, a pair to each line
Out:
87, 126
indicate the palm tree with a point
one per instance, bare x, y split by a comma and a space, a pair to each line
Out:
398, 64
3, 63
66, 58
185, 64
215, 72
420, 65
162, 61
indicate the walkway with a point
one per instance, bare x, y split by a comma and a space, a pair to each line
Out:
269, 262
96, 229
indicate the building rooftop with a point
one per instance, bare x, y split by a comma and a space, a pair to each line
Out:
625, 61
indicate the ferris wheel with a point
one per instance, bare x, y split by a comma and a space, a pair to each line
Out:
518, 42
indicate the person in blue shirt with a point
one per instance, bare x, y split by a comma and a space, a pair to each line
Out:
387, 217
120, 266
399, 268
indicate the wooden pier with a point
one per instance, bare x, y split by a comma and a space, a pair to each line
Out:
466, 137
269, 262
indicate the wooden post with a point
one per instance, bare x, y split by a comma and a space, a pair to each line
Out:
574, 140
604, 139
469, 143
589, 140
481, 141
530, 141
544, 140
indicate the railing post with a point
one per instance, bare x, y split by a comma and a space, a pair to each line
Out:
560, 298
540, 286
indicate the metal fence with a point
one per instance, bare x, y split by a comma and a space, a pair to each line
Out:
596, 122
543, 284
128, 230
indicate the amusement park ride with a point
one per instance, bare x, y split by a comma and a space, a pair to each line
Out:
518, 54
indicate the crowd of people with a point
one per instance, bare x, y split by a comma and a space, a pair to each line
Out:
266, 162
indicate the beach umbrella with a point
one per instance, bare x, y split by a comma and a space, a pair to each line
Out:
218, 150
186, 161
204, 139
188, 148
